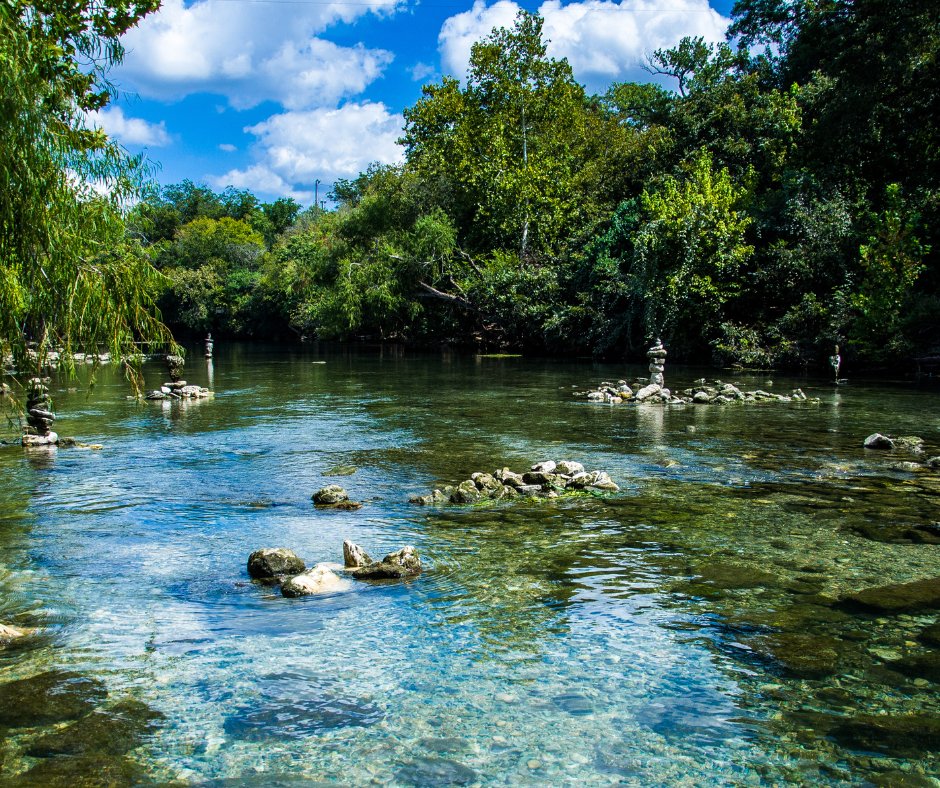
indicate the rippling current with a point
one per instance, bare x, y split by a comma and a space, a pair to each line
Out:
683, 632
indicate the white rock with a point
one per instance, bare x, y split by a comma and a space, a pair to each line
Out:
319, 580
569, 467
648, 391
40, 440
546, 466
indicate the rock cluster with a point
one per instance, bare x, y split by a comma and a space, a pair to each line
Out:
909, 443
334, 497
177, 388
39, 417
546, 479
280, 565
701, 393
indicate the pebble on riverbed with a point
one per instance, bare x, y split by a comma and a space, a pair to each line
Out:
546, 479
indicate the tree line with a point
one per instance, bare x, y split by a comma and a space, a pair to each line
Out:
757, 202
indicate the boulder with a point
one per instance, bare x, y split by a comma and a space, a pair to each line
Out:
539, 477
603, 482
271, 562
466, 492
529, 489
546, 466
401, 563
354, 555
701, 397
903, 598
40, 440
513, 479
647, 391
595, 396
879, 441
580, 480
427, 500
896, 735
799, 654
930, 635
569, 467
319, 580
921, 666
330, 494
484, 481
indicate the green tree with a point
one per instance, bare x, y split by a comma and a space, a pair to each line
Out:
68, 277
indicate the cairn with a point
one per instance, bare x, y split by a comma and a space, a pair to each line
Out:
177, 388
39, 417
209, 346
657, 357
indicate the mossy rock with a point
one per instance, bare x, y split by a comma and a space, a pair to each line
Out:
800, 655
794, 618
930, 635
92, 771
895, 735
56, 696
728, 576
893, 533
111, 731
903, 598
922, 666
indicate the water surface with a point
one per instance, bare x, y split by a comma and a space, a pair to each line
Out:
682, 632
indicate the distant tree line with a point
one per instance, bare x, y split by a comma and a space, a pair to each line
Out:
776, 195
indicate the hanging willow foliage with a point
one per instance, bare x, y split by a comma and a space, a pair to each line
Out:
70, 279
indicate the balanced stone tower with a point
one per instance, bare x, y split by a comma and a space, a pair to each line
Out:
175, 366
39, 417
657, 357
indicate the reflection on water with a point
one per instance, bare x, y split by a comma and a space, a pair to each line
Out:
685, 632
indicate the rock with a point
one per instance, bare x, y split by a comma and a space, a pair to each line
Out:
921, 666
484, 481
330, 494
701, 397
569, 467
895, 735
603, 482
903, 598
930, 635
800, 655
354, 555
319, 580
56, 696
879, 441
539, 477
648, 391
427, 500
81, 771
689, 428
529, 489
190, 391
435, 773
910, 443
157, 394
546, 466
402, 563
728, 576
595, 396
504, 492
899, 779
8, 633
111, 731
580, 480
345, 506
513, 479
934, 463
466, 492
40, 440
271, 562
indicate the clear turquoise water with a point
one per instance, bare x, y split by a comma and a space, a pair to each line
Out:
547, 643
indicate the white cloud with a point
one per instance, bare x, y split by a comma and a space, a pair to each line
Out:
251, 52
296, 148
228, 147
604, 41
130, 131
421, 70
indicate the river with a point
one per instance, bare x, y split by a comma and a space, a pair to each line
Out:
683, 632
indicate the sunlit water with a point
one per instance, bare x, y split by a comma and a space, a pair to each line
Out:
550, 642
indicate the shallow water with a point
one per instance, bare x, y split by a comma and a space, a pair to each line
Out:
682, 632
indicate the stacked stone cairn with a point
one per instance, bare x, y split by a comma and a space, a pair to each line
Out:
39, 417
177, 388
653, 390
547, 479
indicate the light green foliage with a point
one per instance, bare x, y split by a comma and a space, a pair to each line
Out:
68, 277
690, 251
891, 262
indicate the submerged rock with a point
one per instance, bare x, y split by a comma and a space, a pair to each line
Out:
895, 735
81, 771
354, 555
330, 494
271, 562
903, 598
727, 576
800, 655
930, 635
111, 731
319, 580
56, 696
922, 666
435, 773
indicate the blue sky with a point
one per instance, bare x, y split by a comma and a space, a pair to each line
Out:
271, 95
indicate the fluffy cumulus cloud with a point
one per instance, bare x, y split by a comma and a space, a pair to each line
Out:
604, 41
130, 131
251, 52
294, 149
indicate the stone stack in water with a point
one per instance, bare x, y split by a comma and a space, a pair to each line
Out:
39, 417
177, 388
657, 357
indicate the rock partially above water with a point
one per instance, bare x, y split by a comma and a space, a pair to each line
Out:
319, 580
56, 696
330, 494
354, 555
903, 598
399, 564
271, 562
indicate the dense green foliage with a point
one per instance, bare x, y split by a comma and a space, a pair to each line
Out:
774, 196
69, 276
